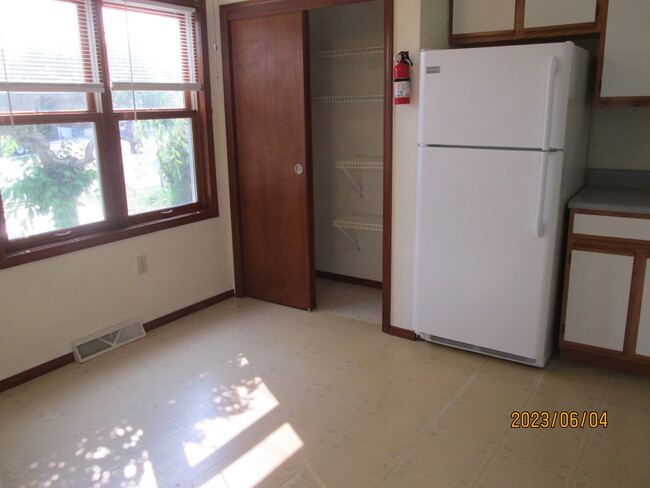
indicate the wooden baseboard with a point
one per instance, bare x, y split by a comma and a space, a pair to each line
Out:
170, 317
349, 279
36, 371
56, 363
605, 361
403, 333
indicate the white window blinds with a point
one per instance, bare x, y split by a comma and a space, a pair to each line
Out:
54, 51
151, 46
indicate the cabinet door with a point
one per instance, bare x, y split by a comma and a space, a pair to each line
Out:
626, 57
474, 16
598, 298
643, 336
548, 13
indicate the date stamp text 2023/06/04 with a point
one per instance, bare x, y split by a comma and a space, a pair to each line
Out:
564, 419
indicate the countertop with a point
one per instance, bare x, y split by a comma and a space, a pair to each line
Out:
615, 191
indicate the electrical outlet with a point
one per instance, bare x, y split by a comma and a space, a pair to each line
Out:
142, 264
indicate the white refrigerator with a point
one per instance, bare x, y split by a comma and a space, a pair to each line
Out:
502, 145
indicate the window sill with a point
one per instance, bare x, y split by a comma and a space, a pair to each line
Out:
78, 243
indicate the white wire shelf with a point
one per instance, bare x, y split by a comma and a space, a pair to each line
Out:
349, 52
350, 99
361, 163
360, 222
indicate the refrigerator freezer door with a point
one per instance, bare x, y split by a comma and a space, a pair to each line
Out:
495, 96
482, 275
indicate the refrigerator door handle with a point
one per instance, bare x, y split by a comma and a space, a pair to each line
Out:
541, 193
548, 106
546, 145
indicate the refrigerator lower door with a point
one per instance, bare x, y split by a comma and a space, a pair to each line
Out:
483, 276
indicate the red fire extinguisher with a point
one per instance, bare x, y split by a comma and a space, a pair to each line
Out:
401, 78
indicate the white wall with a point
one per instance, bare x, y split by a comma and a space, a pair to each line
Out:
619, 138
418, 25
46, 304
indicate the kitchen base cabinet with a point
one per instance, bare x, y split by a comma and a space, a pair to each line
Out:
598, 298
606, 303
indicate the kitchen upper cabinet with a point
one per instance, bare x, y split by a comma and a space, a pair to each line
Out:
488, 21
624, 61
472, 16
544, 13
598, 297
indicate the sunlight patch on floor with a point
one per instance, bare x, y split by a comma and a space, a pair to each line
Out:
219, 431
264, 458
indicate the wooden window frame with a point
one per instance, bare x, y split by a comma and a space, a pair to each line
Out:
117, 224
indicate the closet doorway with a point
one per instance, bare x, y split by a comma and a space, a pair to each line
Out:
346, 71
303, 198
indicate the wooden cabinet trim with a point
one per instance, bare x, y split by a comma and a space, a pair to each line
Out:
606, 360
608, 244
589, 348
634, 307
610, 213
257, 8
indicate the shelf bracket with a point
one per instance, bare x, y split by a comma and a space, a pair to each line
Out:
347, 234
356, 185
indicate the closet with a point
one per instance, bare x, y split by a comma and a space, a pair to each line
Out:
308, 107
346, 72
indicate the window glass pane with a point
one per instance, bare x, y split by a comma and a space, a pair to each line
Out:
123, 100
158, 162
49, 177
43, 102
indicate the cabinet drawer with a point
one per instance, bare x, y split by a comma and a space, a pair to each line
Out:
606, 226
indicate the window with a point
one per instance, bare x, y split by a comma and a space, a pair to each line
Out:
104, 128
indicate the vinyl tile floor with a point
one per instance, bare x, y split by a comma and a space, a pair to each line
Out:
350, 301
248, 394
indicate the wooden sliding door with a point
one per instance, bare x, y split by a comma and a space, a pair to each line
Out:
270, 157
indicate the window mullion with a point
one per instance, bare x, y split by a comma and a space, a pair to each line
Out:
113, 187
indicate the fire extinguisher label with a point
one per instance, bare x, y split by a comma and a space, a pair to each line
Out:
402, 89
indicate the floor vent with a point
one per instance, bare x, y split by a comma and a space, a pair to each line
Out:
96, 344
